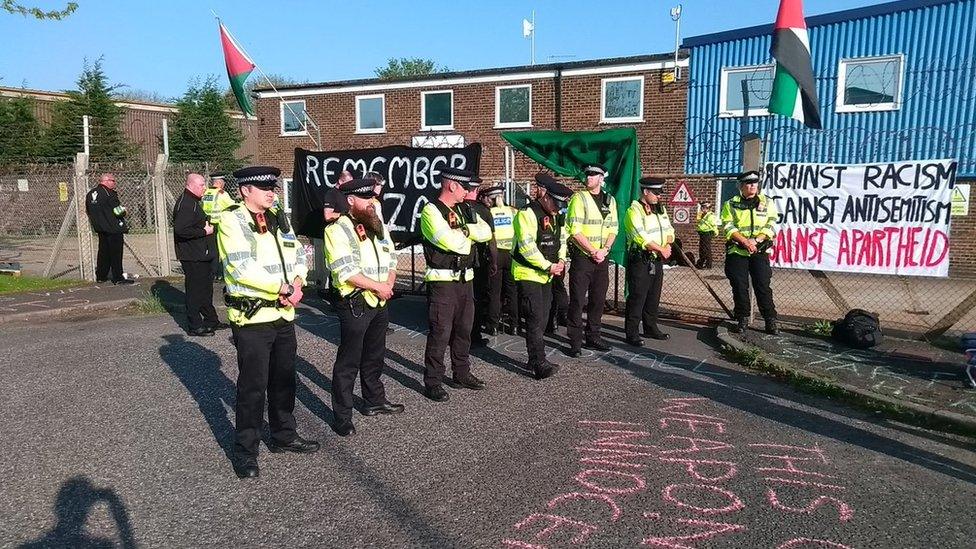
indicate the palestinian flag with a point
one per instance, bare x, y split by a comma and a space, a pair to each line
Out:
794, 90
239, 67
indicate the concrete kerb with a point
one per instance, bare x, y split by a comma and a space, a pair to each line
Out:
912, 412
48, 314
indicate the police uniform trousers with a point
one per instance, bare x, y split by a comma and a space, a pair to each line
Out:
109, 259
198, 284
266, 365
481, 286
705, 250
559, 309
738, 269
450, 313
536, 300
644, 280
362, 346
504, 294
588, 284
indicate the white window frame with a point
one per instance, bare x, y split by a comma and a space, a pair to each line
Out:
498, 107
723, 89
603, 101
841, 107
382, 97
423, 111
286, 194
281, 109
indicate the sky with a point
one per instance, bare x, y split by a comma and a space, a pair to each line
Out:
162, 46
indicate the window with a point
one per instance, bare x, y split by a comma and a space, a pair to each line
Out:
437, 110
870, 83
622, 99
370, 113
513, 106
293, 118
745, 89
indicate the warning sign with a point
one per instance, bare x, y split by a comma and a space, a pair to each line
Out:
681, 215
682, 195
63, 191
960, 200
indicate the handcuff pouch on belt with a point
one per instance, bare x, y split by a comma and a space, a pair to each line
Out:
762, 246
356, 303
249, 306
645, 256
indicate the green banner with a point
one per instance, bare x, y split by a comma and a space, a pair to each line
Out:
565, 153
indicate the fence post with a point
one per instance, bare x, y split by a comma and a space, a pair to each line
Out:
162, 218
86, 256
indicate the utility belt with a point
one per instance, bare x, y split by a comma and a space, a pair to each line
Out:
761, 247
641, 254
520, 259
249, 306
356, 303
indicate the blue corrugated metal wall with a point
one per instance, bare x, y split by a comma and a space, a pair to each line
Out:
937, 118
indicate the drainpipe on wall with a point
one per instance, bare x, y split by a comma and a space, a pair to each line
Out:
558, 85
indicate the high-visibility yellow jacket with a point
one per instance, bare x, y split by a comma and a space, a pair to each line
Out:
597, 222
749, 220
503, 223
445, 239
539, 243
350, 251
256, 265
706, 222
215, 201
643, 228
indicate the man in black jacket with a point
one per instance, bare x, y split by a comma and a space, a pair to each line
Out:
195, 248
107, 217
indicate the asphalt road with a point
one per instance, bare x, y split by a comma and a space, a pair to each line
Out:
117, 431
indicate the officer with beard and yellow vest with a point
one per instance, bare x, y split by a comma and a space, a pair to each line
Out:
649, 237
503, 293
540, 254
264, 271
362, 261
749, 221
591, 226
448, 238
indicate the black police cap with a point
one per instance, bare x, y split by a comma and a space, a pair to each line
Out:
465, 177
595, 169
556, 189
492, 191
335, 200
263, 177
362, 188
751, 176
653, 184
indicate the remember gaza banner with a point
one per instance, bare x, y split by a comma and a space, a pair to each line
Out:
886, 218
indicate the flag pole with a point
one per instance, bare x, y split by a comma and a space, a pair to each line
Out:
308, 119
532, 57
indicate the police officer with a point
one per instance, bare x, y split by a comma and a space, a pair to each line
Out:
216, 198
503, 293
558, 312
540, 253
334, 206
448, 236
707, 228
749, 221
107, 217
591, 224
264, 271
485, 265
360, 256
649, 238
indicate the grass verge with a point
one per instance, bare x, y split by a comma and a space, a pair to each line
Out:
14, 284
150, 303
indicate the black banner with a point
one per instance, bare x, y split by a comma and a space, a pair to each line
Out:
411, 181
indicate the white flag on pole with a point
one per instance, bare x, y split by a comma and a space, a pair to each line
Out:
527, 28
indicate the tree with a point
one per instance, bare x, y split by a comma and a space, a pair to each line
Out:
202, 131
135, 94
277, 79
405, 67
93, 97
20, 133
10, 6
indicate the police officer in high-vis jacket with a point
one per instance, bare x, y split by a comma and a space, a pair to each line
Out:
539, 254
216, 198
749, 221
591, 224
503, 295
706, 225
649, 237
448, 238
264, 271
362, 262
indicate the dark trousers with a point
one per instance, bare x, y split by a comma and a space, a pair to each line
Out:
536, 299
481, 286
643, 294
362, 345
266, 365
450, 313
705, 250
559, 310
588, 284
739, 269
198, 284
504, 295
109, 257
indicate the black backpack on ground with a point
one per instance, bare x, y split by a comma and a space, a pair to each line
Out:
859, 328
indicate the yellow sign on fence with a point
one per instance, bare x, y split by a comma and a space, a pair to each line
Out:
63, 191
960, 200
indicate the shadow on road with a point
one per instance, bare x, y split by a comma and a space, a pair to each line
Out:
173, 300
75, 500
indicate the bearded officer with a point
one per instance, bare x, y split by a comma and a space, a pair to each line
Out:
448, 238
749, 221
361, 258
539, 254
264, 271
649, 238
